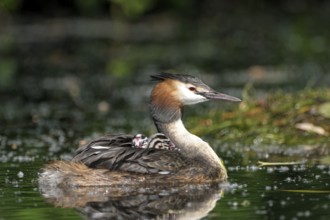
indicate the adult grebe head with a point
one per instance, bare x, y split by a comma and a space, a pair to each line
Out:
186, 89
173, 91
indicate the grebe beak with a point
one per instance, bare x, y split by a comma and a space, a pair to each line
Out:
214, 95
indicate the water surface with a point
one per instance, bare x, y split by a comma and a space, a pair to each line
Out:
284, 192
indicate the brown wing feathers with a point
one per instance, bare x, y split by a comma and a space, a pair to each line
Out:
116, 153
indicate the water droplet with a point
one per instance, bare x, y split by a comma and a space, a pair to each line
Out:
307, 213
283, 169
270, 169
20, 174
270, 203
282, 217
246, 203
288, 179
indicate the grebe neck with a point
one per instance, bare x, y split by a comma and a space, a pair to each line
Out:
168, 121
191, 145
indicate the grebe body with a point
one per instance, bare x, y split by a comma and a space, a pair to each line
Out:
171, 156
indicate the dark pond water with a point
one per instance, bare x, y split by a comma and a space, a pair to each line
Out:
63, 81
286, 192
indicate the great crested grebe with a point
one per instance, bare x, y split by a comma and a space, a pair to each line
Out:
173, 155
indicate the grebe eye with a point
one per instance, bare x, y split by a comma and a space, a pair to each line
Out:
192, 89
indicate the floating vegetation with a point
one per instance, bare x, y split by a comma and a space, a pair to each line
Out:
286, 120
305, 191
261, 163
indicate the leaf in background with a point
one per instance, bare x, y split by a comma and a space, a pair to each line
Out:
309, 127
324, 110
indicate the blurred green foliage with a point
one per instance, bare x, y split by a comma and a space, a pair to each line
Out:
324, 110
9, 5
119, 68
127, 36
134, 8
273, 121
89, 7
8, 69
